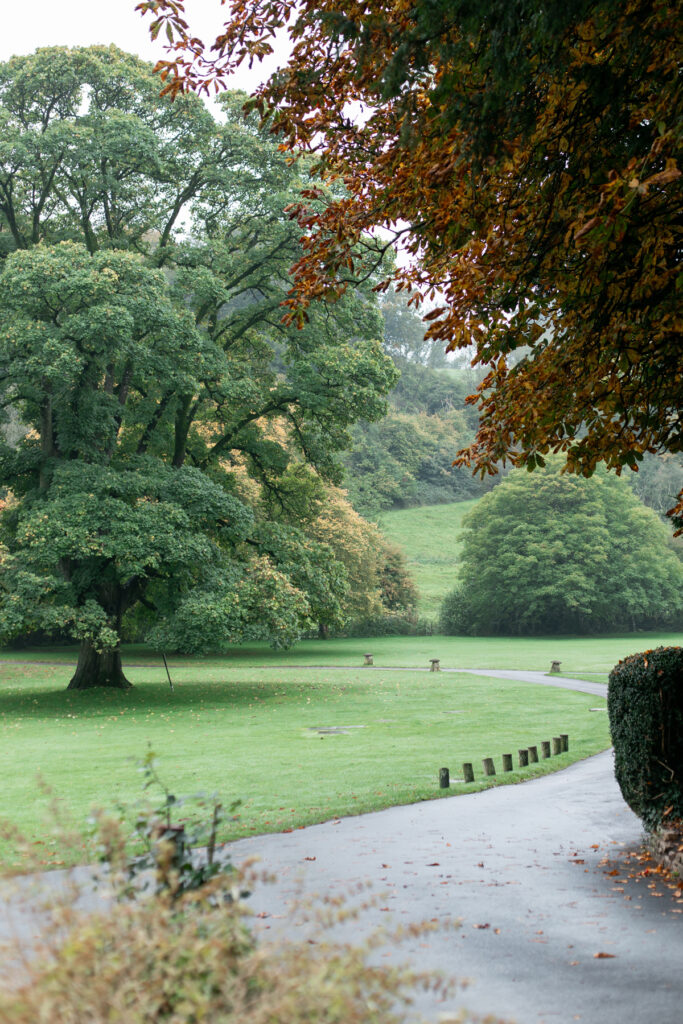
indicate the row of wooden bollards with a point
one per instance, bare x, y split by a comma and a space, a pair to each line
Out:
435, 664
526, 756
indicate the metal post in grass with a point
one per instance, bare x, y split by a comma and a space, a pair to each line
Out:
468, 772
488, 766
557, 745
545, 748
565, 740
507, 762
523, 757
533, 755
444, 778
167, 672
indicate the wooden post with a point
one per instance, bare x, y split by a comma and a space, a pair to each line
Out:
523, 758
507, 762
557, 745
533, 755
468, 772
444, 778
488, 766
434, 662
545, 748
565, 740
555, 667
368, 659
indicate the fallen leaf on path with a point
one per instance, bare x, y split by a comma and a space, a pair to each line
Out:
309, 858
481, 925
603, 956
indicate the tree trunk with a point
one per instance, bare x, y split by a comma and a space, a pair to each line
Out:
98, 668
323, 631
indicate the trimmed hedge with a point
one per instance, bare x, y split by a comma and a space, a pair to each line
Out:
645, 705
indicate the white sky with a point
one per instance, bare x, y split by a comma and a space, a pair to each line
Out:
28, 24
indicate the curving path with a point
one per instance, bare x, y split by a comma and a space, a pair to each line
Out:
536, 872
530, 871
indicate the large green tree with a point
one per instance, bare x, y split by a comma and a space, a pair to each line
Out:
141, 342
528, 153
552, 553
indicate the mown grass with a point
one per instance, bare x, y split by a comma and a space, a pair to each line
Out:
581, 657
253, 733
430, 538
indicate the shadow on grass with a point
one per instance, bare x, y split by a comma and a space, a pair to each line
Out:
33, 702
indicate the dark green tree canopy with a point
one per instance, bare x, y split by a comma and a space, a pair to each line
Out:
141, 344
552, 553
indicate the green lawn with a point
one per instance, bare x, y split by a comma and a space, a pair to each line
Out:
252, 733
580, 657
429, 537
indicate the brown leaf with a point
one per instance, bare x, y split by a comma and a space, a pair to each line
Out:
603, 956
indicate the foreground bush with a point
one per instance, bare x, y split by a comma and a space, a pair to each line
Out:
153, 961
645, 705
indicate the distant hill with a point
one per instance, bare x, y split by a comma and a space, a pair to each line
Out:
429, 537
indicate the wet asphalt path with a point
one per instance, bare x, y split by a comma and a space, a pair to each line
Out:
530, 872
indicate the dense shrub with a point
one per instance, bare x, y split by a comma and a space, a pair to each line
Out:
645, 704
550, 553
453, 615
389, 624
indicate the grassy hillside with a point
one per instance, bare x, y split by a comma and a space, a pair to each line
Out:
429, 537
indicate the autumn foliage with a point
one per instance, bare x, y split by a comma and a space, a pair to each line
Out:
527, 156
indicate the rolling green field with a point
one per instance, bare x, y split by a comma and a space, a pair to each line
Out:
429, 537
260, 735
